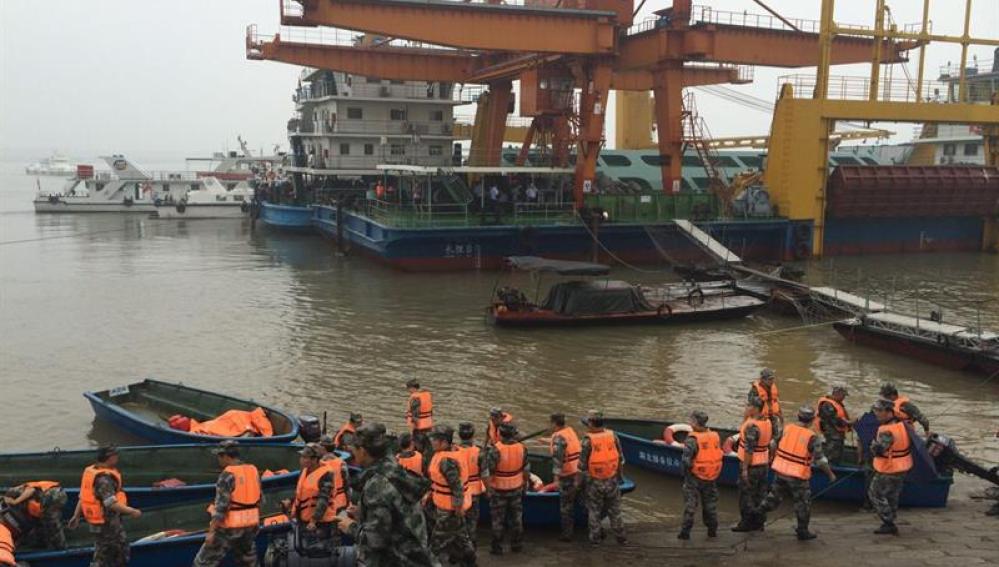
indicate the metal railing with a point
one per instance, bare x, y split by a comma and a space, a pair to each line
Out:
974, 67
858, 88
337, 37
373, 127
707, 14
370, 161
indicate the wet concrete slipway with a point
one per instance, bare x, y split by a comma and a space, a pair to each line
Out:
89, 302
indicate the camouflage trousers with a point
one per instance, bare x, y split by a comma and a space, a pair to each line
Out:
49, 532
111, 544
451, 540
506, 510
800, 492
567, 495
752, 493
472, 518
884, 492
833, 447
703, 492
240, 543
603, 498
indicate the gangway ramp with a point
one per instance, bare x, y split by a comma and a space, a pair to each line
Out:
705, 242
845, 301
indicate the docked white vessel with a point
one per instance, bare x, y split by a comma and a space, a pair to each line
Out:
123, 189
56, 164
211, 201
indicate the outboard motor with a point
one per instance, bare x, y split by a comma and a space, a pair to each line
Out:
292, 550
309, 428
945, 455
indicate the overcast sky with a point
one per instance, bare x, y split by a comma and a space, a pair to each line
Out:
97, 76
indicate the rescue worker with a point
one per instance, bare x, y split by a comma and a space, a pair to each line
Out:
341, 478
833, 423
475, 457
235, 512
313, 506
904, 409
387, 525
799, 448
765, 390
496, 417
702, 463
419, 414
408, 457
102, 503
509, 478
40, 503
9, 536
601, 466
755, 448
345, 435
448, 473
565, 448
892, 451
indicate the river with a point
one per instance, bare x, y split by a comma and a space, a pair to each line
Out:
94, 301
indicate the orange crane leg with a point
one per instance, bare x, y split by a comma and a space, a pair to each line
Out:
668, 94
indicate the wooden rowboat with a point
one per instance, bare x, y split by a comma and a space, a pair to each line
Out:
143, 408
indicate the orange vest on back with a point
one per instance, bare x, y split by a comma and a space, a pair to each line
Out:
412, 463
307, 494
6, 546
347, 428
509, 473
570, 461
898, 458
492, 431
898, 409
35, 502
426, 418
93, 511
471, 454
440, 489
771, 406
707, 463
335, 465
794, 459
840, 413
244, 510
604, 456
760, 455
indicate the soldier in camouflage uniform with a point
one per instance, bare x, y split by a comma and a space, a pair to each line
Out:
420, 439
387, 524
317, 535
795, 457
752, 478
466, 434
904, 409
603, 495
239, 542
506, 506
832, 426
450, 537
697, 489
46, 527
562, 467
771, 405
886, 487
111, 544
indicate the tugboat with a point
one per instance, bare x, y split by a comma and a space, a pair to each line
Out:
211, 201
613, 302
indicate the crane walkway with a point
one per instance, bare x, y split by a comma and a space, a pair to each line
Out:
705, 242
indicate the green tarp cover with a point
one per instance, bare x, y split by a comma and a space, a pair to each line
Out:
595, 298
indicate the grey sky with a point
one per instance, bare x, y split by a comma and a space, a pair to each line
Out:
140, 76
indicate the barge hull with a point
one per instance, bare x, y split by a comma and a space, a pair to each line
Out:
936, 354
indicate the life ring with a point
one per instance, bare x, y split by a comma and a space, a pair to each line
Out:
802, 250
181, 207
802, 232
670, 432
244, 206
664, 307
730, 445
690, 297
127, 202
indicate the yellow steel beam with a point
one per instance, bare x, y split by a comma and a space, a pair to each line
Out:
909, 112
470, 26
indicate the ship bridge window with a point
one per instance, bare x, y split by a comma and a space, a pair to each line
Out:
436, 150
971, 149
345, 149
397, 150
949, 149
616, 160
752, 161
437, 116
692, 161
355, 113
369, 149
397, 114
654, 160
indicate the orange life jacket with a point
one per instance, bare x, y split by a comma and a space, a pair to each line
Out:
244, 510
899, 413
426, 418
509, 473
898, 457
760, 454
604, 456
236, 423
440, 489
707, 463
475, 484
93, 511
276, 520
793, 458
307, 495
6, 546
35, 502
570, 461
771, 406
412, 463
840, 413
492, 432
347, 428
335, 465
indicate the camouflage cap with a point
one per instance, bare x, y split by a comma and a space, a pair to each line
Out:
839, 390
507, 429
356, 418
412, 383
767, 373
326, 440
371, 436
442, 433
592, 415
699, 417
228, 448
888, 389
806, 413
496, 412
883, 405
466, 429
312, 450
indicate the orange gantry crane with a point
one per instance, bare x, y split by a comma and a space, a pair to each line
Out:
556, 49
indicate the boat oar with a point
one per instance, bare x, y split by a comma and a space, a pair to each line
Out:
532, 435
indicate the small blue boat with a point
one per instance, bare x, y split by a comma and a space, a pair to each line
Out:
286, 217
924, 486
541, 509
143, 409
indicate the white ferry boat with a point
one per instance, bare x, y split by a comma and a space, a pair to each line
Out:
123, 189
212, 201
56, 164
